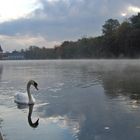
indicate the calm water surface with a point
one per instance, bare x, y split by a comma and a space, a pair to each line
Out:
76, 100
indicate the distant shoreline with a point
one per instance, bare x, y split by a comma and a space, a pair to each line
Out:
118, 41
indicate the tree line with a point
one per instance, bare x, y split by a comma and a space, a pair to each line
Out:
118, 40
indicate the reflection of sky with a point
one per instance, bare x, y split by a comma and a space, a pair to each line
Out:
75, 110
64, 123
84, 100
16, 123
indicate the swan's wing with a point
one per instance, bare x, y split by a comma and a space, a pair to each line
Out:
21, 98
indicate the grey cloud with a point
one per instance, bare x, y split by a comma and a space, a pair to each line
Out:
69, 19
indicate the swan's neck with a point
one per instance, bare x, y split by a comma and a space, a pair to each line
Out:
29, 94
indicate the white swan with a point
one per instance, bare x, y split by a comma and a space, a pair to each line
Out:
26, 98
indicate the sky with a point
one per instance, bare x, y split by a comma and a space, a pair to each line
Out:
47, 23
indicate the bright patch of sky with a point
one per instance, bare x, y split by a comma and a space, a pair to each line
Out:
14, 9
131, 10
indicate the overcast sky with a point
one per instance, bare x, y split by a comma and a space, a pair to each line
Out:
49, 22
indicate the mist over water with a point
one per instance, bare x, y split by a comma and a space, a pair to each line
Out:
76, 100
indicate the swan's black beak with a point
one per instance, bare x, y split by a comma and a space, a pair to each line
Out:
35, 85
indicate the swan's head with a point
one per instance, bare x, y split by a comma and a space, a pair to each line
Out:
35, 84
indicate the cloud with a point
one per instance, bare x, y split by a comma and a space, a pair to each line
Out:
9, 43
59, 20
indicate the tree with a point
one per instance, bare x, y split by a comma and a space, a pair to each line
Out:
135, 21
110, 26
123, 38
134, 35
109, 31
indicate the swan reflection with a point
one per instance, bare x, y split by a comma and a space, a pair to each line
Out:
31, 123
36, 123
22, 106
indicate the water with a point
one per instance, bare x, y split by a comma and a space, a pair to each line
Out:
76, 100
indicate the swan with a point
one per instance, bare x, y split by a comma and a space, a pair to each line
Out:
26, 98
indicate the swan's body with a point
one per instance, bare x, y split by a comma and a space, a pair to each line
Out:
22, 98
26, 98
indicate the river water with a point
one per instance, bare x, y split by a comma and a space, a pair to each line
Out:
76, 100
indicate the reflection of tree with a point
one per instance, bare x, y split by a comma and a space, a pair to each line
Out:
1, 136
1, 70
124, 82
0, 127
